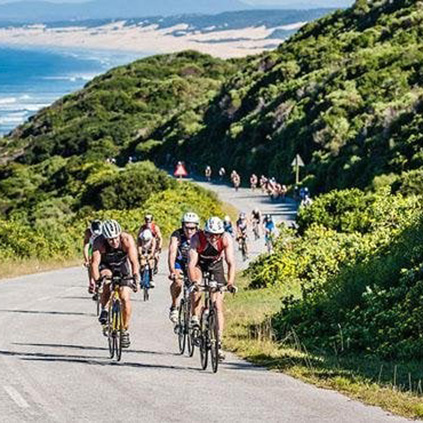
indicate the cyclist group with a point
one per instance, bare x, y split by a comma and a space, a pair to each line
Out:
111, 252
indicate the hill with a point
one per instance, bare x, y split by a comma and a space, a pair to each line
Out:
345, 92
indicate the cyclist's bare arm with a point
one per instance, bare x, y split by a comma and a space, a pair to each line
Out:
193, 258
171, 258
229, 258
87, 237
129, 246
95, 264
159, 238
153, 247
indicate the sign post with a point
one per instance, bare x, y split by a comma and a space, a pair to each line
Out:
297, 163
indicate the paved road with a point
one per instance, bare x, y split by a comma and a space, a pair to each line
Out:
54, 365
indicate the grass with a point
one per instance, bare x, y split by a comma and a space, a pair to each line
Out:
396, 387
14, 268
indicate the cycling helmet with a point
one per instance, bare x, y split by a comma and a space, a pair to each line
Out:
96, 227
268, 217
146, 235
111, 229
256, 210
214, 226
227, 219
191, 218
242, 216
148, 217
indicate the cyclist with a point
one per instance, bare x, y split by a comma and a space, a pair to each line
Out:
208, 173
146, 244
154, 228
227, 225
269, 231
178, 258
236, 180
253, 181
222, 173
91, 233
256, 221
208, 250
115, 254
241, 231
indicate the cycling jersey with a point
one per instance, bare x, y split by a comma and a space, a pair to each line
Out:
228, 228
242, 226
146, 247
210, 257
153, 228
183, 249
256, 216
207, 252
93, 237
114, 259
270, 226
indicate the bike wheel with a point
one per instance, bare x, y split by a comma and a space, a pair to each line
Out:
214, 340
204, 342
110, 333
98, 304
182, 333
244, 251
146, 294
118, 331
190, 343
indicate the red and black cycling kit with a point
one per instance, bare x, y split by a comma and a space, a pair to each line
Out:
211, 257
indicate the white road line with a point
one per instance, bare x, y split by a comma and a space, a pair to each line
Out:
16, 396
44, 299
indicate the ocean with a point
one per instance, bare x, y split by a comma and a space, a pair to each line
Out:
31, 79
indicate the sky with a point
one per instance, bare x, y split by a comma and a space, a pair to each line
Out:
328, 3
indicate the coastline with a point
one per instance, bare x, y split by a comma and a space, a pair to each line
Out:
147, 40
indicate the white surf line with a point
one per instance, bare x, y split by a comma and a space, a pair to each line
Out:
16, 396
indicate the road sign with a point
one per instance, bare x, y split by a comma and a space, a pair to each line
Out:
298, 161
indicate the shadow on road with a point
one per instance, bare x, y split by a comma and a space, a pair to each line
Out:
91, 348
91, 360
61, 313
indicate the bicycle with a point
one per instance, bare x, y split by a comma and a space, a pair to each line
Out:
268, 240
98, 294
183, 330
243, 246
145, 279
114, 325
209, 338
256, 229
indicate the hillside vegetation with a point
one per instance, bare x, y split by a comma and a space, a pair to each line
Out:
345, 92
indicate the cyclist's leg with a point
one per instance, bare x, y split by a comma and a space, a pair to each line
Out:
218, 272
125, 297
176, 286
196, 296
105, 296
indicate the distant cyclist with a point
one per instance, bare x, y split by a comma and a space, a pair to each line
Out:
208, 250
155, 230
256, 221
236, 180
222, 173
146, 244
269, 232
241, 232
179, 246
115, 254
227, 225
208, 173
91, 233
253, 182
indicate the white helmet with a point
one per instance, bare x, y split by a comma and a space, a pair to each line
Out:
227, 219
191, 218
111, 229
146, 235
214, 226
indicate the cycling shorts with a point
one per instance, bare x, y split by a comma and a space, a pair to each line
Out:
123, 270
180, 265
215, 269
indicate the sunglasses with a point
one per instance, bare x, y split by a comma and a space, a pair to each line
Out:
190, 228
